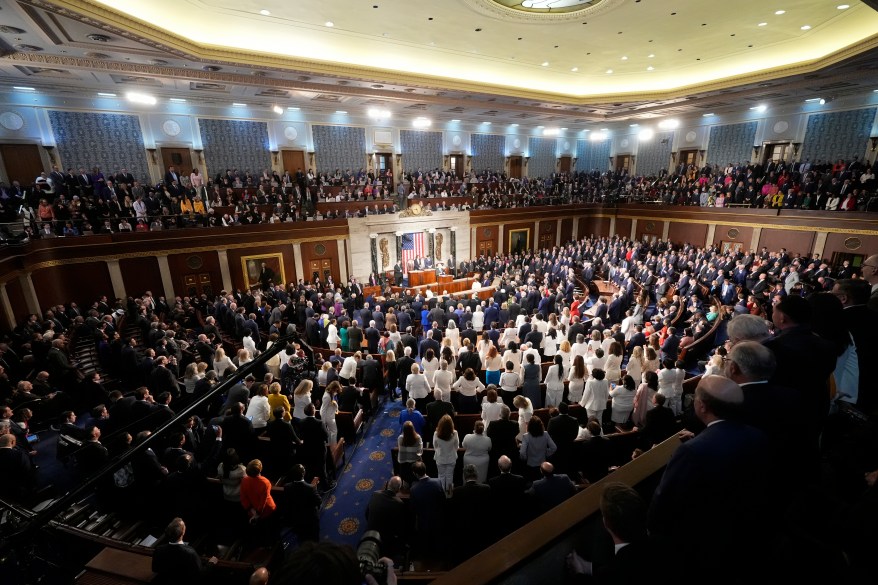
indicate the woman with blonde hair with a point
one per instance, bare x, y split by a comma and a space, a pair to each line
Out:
302, 398
613, 365
430, 364
651, 364
566, 353
222, 363
596, 342
278, 400
191, 378
242, 358
525, 413
452, 334
635, 364
328, 410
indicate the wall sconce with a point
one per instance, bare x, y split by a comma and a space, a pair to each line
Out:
874, 142
200, 153
673, 156
274, 156
50, 150
756, 150
151, 152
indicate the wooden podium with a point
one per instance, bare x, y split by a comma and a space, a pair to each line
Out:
416, 277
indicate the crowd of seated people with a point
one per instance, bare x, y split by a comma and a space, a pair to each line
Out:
450, 355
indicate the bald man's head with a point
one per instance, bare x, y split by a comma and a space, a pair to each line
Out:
717, 397
870, 269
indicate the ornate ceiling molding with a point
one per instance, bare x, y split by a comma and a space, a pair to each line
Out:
514, 11
138, 31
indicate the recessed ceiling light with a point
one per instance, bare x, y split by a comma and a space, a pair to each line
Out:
624, 58
105, 94
265, 12
812, 100
760, 108
646, 134
514, 125
575, 69
329, 23
669, 124
822, 101
540, 126
486, 123
633, 125
650, 68
545, 63
421, 122
455, 120
708, 115
239, 105
140, 98
650, 56
563, 128
609, 70
292, 108
779, 12
21, 88
341, 112
843, 6
277, 110
762, 24
806, 27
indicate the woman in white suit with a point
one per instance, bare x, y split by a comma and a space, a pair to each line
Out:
596, 393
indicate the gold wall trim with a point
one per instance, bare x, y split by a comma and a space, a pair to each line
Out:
794, 228
105, 257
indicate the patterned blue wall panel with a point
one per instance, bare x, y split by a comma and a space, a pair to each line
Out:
655, 155
339, 147
489, 152
592, 156
235, 144
837, 135
421, 150
109, 141
542, 157
731, 144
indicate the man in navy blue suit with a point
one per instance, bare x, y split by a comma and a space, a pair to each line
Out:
715, 493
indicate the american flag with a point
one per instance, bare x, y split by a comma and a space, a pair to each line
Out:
412, 247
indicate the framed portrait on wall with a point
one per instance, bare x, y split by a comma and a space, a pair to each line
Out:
519, 241
263, 269
733, 247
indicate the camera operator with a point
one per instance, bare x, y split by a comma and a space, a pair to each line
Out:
327, 563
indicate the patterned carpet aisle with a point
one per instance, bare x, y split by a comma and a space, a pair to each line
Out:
369, 465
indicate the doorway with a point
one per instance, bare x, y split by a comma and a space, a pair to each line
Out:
197, 284
320, 268
293, 160
179, 158
384, 163
565, 164
486, 248
514, 167
623, 163
689, 157
456, 162
22, 162
776, 152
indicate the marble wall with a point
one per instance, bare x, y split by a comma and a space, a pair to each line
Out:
386, 226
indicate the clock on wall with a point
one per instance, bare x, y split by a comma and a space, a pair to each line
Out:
11, 121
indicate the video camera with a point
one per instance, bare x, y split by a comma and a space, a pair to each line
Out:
369, 557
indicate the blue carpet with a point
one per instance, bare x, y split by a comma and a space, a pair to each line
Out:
369, 465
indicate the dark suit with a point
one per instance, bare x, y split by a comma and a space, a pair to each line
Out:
508, 490
428, 503
302, 510
313, 449
551, 491
386, 514
502, 434
469, 502
176, 563
728, 462
563, 429
659, 424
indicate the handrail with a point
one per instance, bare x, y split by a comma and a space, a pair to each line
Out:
62, 503
525, 544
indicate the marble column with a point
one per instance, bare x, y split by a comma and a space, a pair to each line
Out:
116, 279
167, 279
342, 260
225, 273
297, 260
30, 294
7, 307
558, 234
757, 233
711, 231
633, 228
